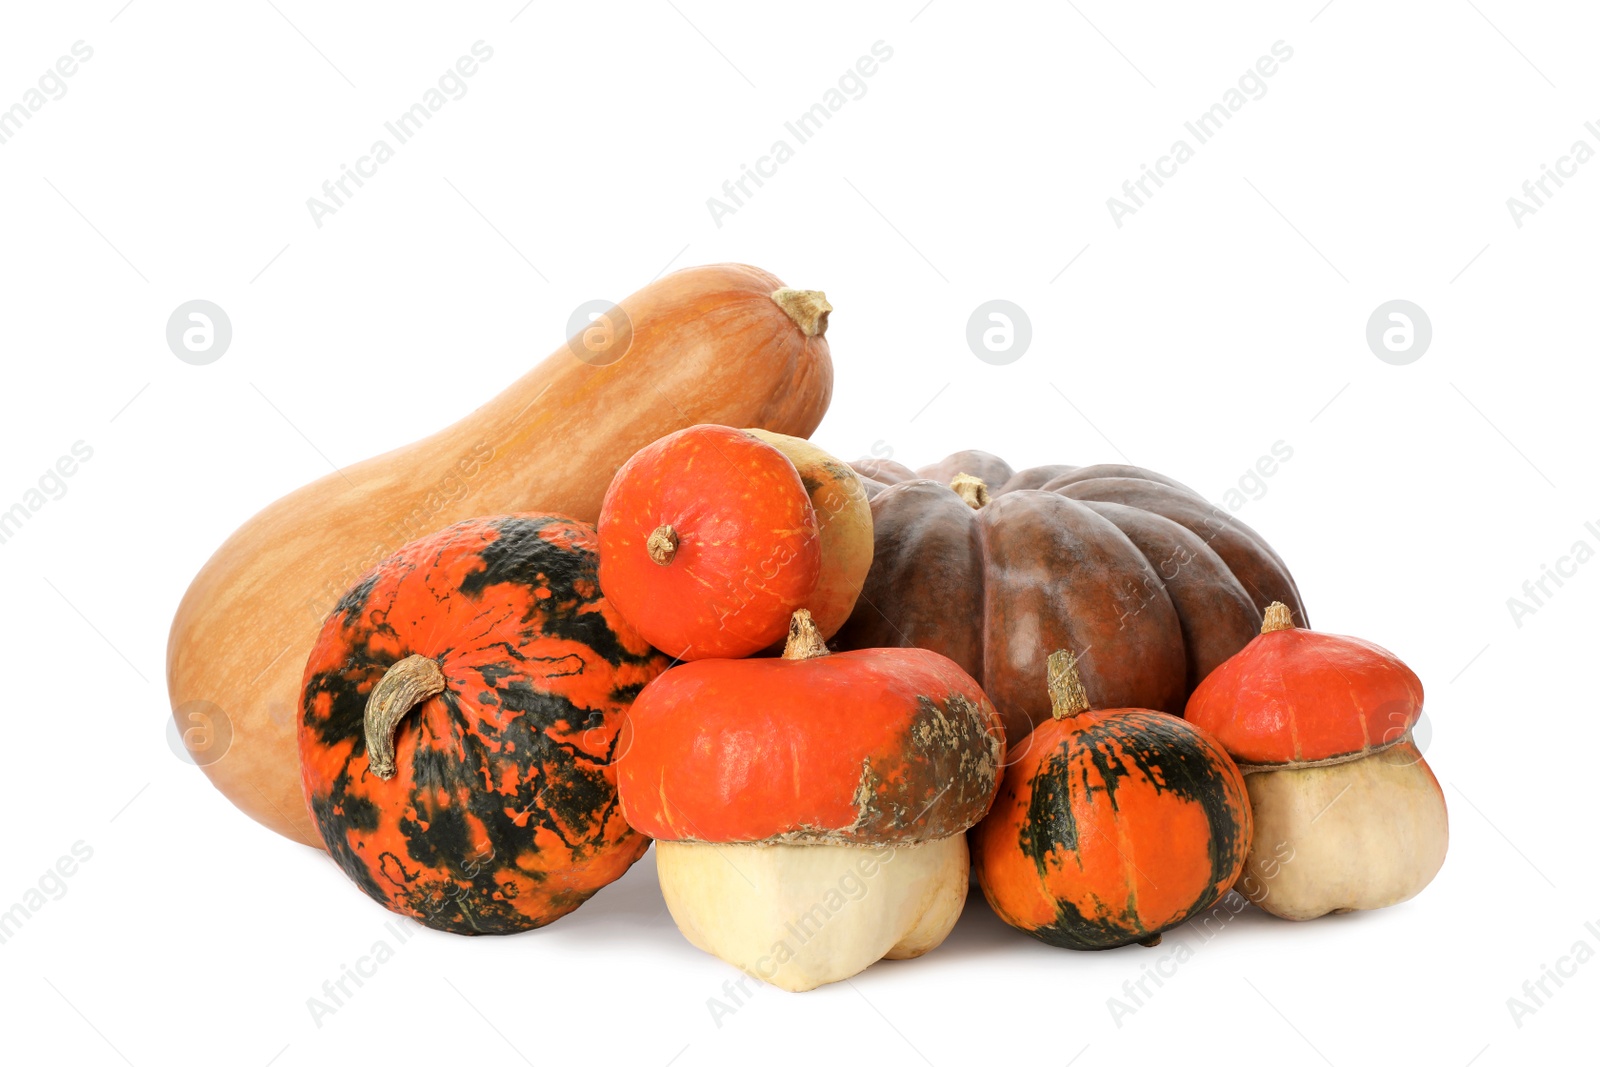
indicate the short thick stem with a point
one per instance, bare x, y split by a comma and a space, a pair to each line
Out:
1067, 695
1278, 617
807, 307
404, 686
663, 544
805, 640
972, 489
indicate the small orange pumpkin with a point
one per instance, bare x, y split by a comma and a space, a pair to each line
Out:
1111, 826
708, 542
1296, 698
879, 746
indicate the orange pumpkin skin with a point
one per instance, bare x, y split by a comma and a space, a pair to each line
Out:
1111, 827
1294, 696
708, 344
744, 549
502, 813
876, 746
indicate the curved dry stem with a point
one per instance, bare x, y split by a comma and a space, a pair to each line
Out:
404, 686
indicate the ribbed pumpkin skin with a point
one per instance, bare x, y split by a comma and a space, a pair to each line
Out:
1160, 583
502, 815
1111, 827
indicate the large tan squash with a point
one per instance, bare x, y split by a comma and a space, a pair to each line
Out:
721, 344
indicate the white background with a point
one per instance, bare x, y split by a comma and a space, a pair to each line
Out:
1226, 315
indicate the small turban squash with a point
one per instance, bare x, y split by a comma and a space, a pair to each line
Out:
809, 811
1348, 814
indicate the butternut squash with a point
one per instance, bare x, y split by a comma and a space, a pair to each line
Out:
721, 344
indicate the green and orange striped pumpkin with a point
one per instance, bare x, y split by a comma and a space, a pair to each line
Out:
459, 722
1111, 826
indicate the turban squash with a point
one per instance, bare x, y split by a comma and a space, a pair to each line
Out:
1348, 814
460, 717
996, 568
810, 811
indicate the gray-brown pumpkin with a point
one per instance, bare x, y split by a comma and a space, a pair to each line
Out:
996, 568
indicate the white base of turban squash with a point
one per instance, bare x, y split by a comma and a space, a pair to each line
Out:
1346, 837
800, 916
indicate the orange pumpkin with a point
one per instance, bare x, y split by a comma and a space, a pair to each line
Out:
1112, 825
708, 543
871, 747
810, 811
1294, 697
460, 716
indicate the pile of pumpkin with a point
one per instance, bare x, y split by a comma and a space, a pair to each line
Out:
1086, 684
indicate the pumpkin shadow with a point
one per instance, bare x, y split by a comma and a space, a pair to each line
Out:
980, 932
1251, 921
627, 909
